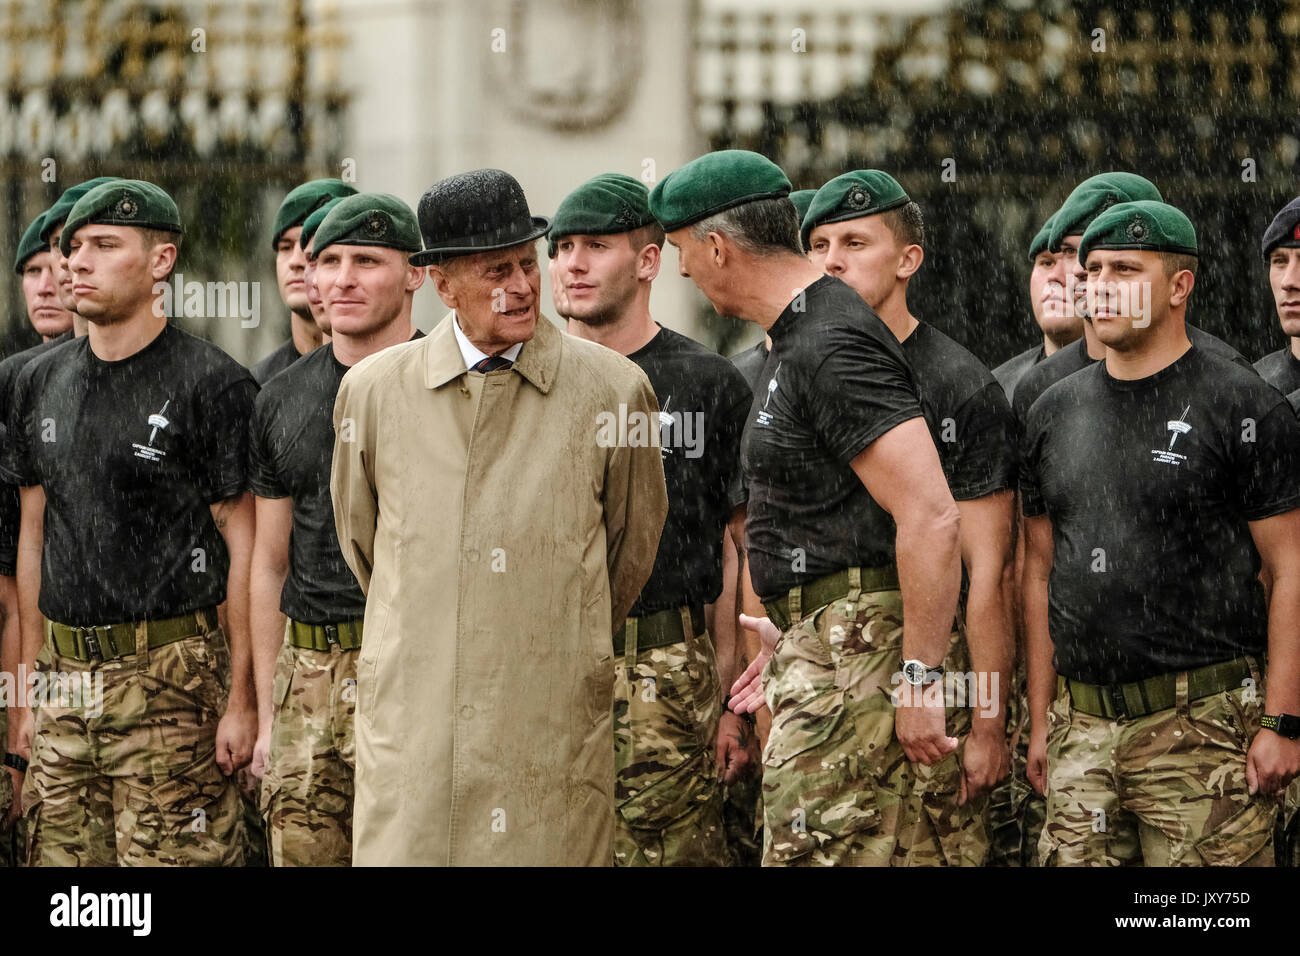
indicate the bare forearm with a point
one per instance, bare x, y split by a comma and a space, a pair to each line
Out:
1282, 694
267, 625
1041, 671
725, 623
929, 574
992, 646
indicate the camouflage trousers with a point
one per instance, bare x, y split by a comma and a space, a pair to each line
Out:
1016, 810
1167, 789
1288, 828
667, 795
309, 786
837, 788
7, 837
128, 774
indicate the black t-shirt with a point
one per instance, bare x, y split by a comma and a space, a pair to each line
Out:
1281, 369
275, 363
1074, 356
750, 363
10, 513
1150, 485
1013, 369
835, 381
968, 414
290, 450
131, 454
703, 402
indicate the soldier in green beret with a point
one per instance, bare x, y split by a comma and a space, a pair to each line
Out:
290, 266
1161, 490
836, 456
314, 301
50, 232
674, 747
1059, 325
306, 605
863, 228
129, 448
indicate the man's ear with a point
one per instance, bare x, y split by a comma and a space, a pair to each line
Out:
414, 278
443, 285
162, 260
648, 262
911, 259
1180, 287
719, 249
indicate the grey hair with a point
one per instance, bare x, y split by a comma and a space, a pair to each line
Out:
764, 227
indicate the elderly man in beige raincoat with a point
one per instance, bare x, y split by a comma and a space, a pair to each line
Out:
499, 494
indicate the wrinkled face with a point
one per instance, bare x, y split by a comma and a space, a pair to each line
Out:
113, 273
495, 294
1128, 294
1284, 277
695, 262
41, 293
314, 301
363, 287
290, 264
599, 276
62, 273
863, 252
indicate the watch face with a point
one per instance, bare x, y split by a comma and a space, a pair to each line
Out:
913, 672
1288, 726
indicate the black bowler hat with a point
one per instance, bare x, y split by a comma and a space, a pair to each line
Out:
475, 212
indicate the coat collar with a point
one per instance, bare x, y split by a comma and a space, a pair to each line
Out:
538, 360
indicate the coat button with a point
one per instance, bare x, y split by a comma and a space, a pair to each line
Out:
467, 712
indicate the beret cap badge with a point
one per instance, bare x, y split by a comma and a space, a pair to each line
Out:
376, 226
126, 208
858, 198
1137, 230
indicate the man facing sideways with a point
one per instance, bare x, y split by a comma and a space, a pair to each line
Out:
1160, 495
306, 698
836, 454
673, 743
1281, 249
129, 447
500, 533
864, 229
290, 265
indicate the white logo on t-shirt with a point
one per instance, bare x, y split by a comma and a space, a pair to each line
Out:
764, 416
158, 421
1167, 456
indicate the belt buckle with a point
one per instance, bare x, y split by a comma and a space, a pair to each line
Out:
332, 634
1116, 694
92, 643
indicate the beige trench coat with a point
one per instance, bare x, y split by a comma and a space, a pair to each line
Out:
498, 544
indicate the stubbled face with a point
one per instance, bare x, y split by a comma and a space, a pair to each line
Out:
290, 266
598, 275
695, 262
1128, 295
495, 295
41, 293
1073, 276
113, 273
1047, 296
1284, 278
363, 287
864, 252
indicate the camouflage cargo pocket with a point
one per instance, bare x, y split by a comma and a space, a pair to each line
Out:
192, 816
816, 789
1243, 838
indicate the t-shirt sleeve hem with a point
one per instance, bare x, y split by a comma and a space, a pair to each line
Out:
971, 492
849, 448
221, 492
1273, 509
266, 491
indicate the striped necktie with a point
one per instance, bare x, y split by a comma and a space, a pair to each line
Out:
492, 363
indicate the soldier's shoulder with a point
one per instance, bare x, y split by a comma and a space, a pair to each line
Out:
597, 364
393, 360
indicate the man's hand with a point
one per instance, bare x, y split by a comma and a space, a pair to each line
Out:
735, 754
747, 691
985, 763
25, 731
236, 735
261, 753
1036, 765
1272, 762
919, 725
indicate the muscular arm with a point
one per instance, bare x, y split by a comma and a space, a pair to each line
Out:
1274, 760
1038, 642
901, 471
270, 567
233, 517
